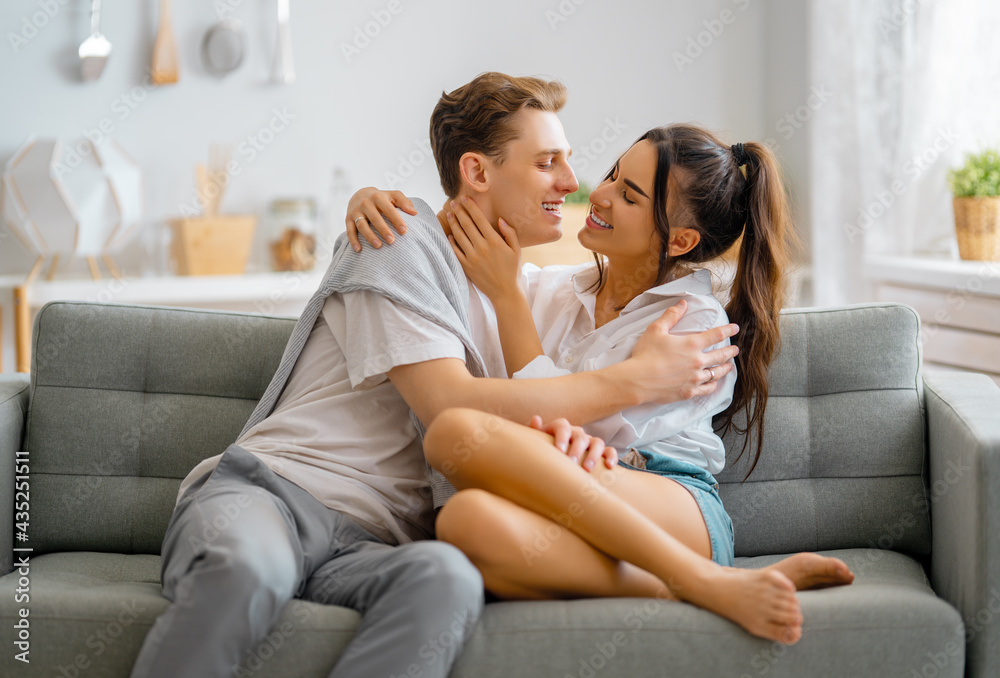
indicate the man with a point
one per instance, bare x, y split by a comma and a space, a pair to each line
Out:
328, 474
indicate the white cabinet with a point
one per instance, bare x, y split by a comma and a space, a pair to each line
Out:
958, 303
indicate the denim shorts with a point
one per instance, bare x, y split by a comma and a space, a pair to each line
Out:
705, 490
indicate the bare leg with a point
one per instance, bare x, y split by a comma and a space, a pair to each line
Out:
478, 450
525, 556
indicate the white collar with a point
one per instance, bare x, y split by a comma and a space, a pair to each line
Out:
698, 282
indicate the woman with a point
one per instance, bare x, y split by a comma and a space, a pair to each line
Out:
652, 525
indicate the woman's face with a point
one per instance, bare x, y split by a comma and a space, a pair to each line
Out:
620, 224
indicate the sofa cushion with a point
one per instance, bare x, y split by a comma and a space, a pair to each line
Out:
94, 609
125, 401
843, 462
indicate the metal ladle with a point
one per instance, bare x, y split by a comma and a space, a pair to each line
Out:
94, 51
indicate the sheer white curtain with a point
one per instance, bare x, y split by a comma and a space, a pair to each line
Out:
915, 84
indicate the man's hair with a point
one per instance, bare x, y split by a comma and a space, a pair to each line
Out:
476, 118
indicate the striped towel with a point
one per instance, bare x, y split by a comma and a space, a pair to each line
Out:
419, 272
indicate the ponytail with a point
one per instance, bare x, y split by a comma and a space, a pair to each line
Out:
722, 203
757, 294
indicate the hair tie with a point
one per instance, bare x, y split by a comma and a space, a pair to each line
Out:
740, 155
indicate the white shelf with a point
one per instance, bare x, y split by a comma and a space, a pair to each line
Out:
958, 303
282, 294
177, 290
977, 277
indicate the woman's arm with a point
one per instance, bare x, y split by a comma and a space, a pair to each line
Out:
492, 261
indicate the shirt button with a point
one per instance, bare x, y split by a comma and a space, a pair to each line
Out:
569, 359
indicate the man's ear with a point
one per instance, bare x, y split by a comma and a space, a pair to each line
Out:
682, 241
474, 171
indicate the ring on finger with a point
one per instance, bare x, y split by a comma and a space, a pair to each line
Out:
711, 377
359, 218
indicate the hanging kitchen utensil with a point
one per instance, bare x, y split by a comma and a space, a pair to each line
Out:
284, 68
94, 51
223, 47
164, 71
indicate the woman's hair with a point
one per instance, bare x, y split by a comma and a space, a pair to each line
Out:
716, 198
476, 117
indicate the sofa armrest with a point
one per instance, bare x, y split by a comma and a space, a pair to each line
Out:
963, 425
13, 408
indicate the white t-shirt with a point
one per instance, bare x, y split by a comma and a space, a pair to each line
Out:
562, 306
341, 430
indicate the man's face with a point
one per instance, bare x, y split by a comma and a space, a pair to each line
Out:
529, 187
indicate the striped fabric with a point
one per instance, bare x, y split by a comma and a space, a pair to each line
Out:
419, 272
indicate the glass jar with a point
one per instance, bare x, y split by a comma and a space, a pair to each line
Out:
290, 234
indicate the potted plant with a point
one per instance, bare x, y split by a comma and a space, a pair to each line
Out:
976, 189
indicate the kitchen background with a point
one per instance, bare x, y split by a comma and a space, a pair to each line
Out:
367, 75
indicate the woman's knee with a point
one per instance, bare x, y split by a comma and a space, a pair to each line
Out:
475, 521
457, 433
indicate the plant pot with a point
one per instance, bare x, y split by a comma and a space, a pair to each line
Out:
218, 245
977, 226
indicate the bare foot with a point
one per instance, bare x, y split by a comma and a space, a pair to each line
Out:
761, 601
813, 571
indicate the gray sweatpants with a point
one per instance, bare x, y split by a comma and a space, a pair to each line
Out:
244, 541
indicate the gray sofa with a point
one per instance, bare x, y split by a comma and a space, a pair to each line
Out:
865, 458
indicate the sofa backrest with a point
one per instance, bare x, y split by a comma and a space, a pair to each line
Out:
125, 401
843, 460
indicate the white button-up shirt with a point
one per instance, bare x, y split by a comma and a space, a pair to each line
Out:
563, 304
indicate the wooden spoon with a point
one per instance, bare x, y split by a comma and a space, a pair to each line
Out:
164, 71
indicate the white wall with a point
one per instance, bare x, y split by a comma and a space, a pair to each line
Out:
370, 112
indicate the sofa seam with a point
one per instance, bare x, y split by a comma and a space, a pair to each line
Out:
906, 389
778, 480
102, 475
24, 387
126, 390
172, 309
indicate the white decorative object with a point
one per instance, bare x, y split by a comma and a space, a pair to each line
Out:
67, 201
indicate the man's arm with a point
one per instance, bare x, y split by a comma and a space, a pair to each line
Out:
663, 368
